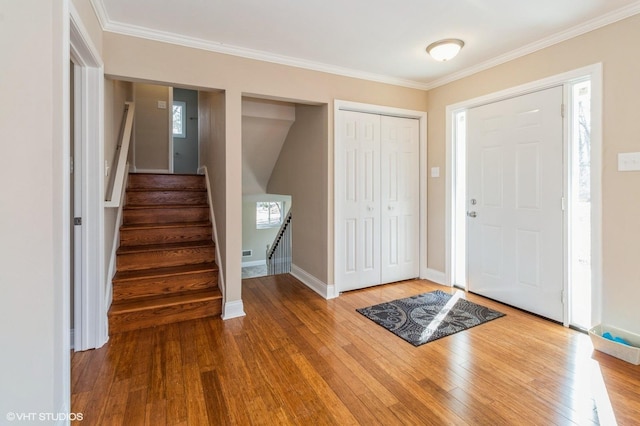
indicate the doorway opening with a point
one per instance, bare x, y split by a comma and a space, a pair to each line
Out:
185, 131
581, 202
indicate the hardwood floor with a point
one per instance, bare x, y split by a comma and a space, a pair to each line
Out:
299, 359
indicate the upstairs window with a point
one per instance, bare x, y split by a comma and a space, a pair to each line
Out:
269, 214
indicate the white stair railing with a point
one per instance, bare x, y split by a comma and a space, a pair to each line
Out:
115, 185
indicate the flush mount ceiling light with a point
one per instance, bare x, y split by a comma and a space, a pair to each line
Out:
443, 50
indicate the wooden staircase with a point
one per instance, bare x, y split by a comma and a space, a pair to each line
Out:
166, 269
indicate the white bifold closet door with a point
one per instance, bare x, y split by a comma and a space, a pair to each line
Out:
377, 200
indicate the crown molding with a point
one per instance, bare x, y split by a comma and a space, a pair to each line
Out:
594, 24
198, 43
101, 13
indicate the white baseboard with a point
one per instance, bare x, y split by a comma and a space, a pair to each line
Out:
323, 289
437, 277
254, 263
233, 309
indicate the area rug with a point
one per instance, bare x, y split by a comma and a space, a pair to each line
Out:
429, 316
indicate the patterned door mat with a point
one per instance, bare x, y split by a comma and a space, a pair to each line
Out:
429, 316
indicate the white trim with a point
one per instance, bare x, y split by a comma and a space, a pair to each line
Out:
340, 105
108, 297
79, 37
91, 325
221, 285
170, 125
436, 276
597, 101
122, 170
327, 291
594, 72
583, 28
198, 43
254, 263
233, 309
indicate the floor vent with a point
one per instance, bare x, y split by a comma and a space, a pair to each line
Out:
247, 253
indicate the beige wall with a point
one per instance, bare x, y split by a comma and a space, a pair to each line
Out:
130, 57
151, 127
615, 46
34, 214
212, 119
134, 58
301, 171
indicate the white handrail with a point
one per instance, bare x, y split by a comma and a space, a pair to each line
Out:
121, 163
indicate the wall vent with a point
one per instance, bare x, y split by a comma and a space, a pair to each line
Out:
247, 253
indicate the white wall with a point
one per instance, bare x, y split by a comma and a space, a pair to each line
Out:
34, 270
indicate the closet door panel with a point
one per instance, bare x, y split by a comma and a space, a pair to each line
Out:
399, 198
358, 200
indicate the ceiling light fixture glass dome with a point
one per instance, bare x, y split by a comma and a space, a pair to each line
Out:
444, 50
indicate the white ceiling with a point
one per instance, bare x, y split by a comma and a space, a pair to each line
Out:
381, 40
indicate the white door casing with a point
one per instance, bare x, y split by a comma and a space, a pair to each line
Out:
377, 199
515, 188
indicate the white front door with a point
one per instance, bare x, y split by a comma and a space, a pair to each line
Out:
515, 196
400, 198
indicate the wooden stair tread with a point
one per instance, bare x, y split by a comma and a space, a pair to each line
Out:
164, 206
164, 247
165, 301
165, 272
168, 225
186, 188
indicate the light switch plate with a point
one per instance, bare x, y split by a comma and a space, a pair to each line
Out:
435, 172
162, 104
628, 161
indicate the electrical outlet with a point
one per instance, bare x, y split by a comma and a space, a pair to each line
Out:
162, 105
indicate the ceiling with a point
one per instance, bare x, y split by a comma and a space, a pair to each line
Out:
378, 40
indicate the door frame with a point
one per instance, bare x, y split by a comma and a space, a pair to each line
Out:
594, 73
421, 116
90, 328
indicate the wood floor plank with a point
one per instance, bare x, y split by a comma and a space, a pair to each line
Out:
299, 359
